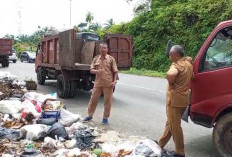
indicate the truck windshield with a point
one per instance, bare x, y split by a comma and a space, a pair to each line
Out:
219, 53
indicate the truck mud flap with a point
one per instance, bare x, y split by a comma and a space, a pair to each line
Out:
186, 114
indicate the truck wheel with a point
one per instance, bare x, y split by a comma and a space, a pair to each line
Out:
7, 63
3, 64
41, 76
73, 86
63, 87
222, 135
14, 61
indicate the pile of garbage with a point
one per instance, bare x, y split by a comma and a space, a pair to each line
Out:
39, 125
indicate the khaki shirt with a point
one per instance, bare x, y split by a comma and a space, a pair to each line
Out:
109, 67
177, 93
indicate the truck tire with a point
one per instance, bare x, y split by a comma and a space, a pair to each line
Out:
63, 87
7, 63
14, 61
73, 87
3, 64
41, 77
222, 135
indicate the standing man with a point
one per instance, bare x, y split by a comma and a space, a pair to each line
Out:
106, 71
178, 76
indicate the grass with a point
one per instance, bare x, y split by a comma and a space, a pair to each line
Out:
144, 72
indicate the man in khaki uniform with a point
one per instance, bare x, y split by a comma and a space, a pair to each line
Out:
178, 76
106, 71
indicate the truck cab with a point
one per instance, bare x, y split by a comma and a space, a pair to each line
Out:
211, 88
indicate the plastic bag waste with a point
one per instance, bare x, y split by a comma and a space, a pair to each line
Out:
84, 138
74, 127
7, 76
147, 148
67, 118
57, 130
49, 145
33, 132
10, 106
9, 134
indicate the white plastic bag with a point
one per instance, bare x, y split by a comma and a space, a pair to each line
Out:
31, 96
33, 132
147, 148
67, 118
10, 106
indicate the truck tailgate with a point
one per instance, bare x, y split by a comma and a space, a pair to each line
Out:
6, 46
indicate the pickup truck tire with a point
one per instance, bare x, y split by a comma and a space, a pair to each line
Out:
73, 87
222, 135
63, 87
14, 61
41, 76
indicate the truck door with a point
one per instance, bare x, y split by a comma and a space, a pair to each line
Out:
212, 85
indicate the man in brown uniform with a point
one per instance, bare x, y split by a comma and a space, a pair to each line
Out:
178, 76
106, 71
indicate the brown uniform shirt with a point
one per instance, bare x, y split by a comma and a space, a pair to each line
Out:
177, 93
109, 67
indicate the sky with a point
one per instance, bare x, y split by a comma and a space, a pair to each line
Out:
56, 13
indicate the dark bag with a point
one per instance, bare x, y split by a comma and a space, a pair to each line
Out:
47, 121
58, 130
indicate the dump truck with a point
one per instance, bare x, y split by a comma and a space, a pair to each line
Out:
211, 88
5, 51
67, 56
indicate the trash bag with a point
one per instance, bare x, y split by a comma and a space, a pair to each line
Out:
10, 106
33, 132
58, 130
47, 121
84, 138
9, 134
67, 118
147, 148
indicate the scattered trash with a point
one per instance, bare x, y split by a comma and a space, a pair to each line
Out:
147, 148
34, 125
33, 132
31, 85
67, 118
9, 134
57, 130
84, 138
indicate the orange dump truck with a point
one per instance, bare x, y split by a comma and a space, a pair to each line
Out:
66, 57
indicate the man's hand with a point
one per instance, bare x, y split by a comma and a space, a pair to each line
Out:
93, 71
113, 84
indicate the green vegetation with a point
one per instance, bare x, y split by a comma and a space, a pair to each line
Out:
185, 22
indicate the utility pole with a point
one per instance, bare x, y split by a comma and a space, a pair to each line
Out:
19, 8
70, 13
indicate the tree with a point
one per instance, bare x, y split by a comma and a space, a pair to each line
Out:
89, 18
94, 27
109, 23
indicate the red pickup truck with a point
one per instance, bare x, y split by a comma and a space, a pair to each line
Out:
211, 89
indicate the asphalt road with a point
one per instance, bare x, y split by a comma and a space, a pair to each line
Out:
138, 109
